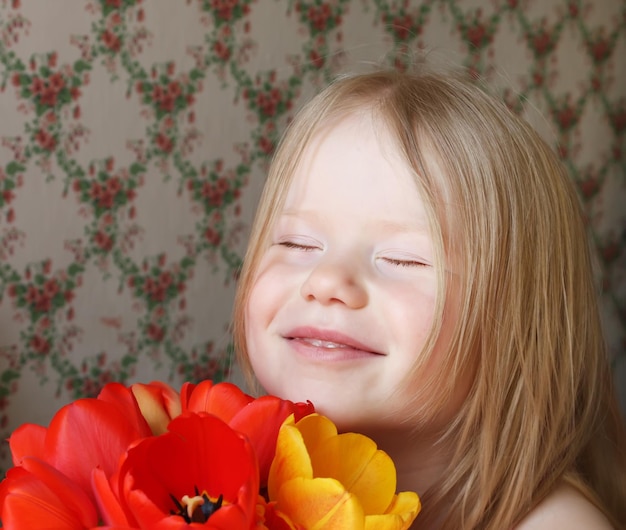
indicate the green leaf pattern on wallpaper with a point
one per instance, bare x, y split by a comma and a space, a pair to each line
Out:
135, 136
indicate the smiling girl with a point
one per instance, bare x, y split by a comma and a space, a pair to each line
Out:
419, 269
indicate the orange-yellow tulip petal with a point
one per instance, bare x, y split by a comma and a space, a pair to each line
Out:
159, 404
355, 461
321, 479
406, 504
291, 459
385, 522
320, 504
399, 516
315, 430
269, 518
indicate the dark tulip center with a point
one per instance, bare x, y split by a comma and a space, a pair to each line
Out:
196, 509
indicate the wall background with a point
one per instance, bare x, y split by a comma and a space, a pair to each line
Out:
134, 138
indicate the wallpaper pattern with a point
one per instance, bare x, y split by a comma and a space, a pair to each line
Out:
134, 138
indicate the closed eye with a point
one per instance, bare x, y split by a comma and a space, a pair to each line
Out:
297, 246
405, 262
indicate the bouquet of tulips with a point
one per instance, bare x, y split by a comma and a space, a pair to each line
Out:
210, 456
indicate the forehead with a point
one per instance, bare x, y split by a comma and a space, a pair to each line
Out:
354, 163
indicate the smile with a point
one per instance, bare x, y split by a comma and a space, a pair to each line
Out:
322, 344
325, 344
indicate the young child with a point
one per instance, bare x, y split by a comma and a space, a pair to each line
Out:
419, 269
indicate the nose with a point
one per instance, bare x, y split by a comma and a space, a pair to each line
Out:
330, 283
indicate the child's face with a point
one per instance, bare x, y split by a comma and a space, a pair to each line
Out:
344, 297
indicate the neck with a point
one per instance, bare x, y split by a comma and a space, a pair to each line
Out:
420, 462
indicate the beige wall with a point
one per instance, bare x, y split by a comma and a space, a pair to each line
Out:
134, 143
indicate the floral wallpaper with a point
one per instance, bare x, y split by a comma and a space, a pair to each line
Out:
135, 135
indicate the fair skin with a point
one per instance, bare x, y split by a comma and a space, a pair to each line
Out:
565, 508
343, 301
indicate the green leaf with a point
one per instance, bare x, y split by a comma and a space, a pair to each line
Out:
10, 375
14, 167
187, 262
136, 169
64, 96
81, 66
75, 269
128, 360
58, 301
195, 74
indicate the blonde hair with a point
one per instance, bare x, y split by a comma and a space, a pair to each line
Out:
541, 408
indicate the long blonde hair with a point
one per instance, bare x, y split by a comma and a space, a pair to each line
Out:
541, 409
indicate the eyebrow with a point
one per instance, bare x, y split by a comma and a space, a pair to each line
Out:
386, 225
394, 226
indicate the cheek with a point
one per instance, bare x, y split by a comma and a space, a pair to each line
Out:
264, 302
411, 314
263, 299
254, 336
256, 318
441, 391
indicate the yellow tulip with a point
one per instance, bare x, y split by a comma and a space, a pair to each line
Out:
323, 480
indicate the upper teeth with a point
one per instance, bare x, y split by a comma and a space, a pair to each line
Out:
324, 343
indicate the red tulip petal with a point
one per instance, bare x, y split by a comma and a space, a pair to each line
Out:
108, 503
224, 400
260, 421
199, 451
301, 409
113, 528
91, 433
27, 440
123, 398
226, 518
144, 509
185, 394
36, 495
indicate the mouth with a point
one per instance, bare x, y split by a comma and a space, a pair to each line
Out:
332, 342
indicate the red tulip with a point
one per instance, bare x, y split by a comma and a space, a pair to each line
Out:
103, 460
84, 435
35, 495
201, 471
259, 419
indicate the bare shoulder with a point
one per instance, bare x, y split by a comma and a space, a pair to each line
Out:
565, 508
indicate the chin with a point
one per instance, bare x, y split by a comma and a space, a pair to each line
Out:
345, 418
343, 411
